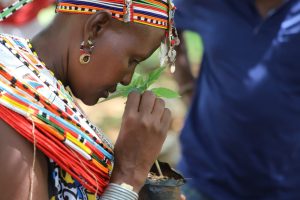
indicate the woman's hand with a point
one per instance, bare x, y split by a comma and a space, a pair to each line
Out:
143, 131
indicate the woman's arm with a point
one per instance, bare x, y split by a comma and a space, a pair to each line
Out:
143, 132
16, 158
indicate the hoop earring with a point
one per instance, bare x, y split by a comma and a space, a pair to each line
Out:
85, 52
85, 58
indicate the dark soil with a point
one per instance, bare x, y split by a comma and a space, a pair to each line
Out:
166, 187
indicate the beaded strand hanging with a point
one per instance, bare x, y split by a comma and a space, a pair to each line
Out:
7, 12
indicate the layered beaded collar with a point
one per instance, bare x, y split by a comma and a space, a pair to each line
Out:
28, 88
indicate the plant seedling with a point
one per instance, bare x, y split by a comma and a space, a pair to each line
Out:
142, 83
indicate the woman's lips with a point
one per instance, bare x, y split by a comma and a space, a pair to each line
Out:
105, 94
112, 89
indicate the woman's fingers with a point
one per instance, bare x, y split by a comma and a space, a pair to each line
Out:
147, 102
158, 108
133, 101
166, 120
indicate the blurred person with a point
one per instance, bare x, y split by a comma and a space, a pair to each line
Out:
24, 22
241, 137
89, 47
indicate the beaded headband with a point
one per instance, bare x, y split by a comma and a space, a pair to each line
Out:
149, 12
156, 13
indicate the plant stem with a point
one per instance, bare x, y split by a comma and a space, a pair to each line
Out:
158, 168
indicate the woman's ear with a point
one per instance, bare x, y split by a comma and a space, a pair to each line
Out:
96, 23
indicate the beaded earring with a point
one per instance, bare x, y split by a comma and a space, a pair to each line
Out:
85, 52
167, 49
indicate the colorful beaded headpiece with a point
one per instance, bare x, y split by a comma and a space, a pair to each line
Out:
149, 12
156, 13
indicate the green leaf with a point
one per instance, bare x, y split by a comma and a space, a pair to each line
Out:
137, 80
165, 93
122, 91
154, 75
141, 83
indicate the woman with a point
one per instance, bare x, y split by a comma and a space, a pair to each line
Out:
89, 48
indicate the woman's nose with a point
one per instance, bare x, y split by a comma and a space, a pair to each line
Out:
127, 78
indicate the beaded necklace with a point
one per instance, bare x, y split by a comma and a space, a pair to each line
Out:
28, 88
63, 103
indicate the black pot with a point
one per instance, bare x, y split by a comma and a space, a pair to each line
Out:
167, 188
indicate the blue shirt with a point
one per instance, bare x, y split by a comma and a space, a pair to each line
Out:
241, 139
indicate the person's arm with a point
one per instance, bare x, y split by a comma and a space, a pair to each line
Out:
16, 158
183, 74
143, 132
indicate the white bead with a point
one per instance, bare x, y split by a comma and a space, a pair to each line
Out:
173, 68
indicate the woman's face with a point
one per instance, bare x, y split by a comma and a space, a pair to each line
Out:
119, 47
